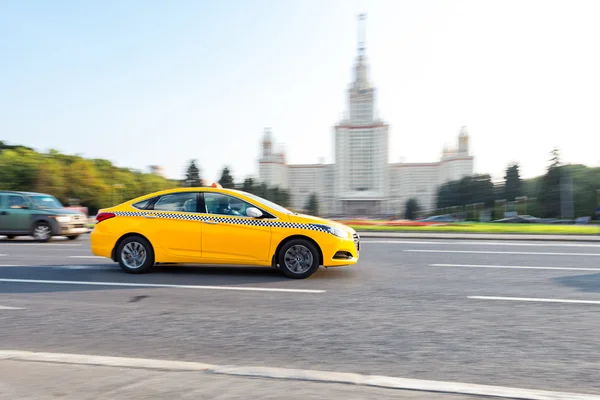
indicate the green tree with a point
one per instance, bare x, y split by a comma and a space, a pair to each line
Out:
51, 179
513, 185
312, 206
86, 185
192, 175
549, 190
468, 190
19, 168
226, 179
412, 209
248, 185
95, 183
284, 198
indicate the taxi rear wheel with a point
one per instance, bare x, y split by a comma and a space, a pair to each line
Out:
135, 255
298, 259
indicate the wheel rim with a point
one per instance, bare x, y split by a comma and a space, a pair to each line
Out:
41, 232
133, 255
298, 259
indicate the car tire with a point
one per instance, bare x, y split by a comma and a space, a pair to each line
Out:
135, 255
74, 237
298, 259
42, 232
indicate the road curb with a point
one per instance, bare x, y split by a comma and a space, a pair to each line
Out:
478, 236
387, 382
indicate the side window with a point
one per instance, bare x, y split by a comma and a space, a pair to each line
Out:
16, 201
185, 202
222, 204
141, 205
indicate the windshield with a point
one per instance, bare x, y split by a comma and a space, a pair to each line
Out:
47, 202
268, 203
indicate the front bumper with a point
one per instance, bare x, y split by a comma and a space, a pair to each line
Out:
71, 229
345, 252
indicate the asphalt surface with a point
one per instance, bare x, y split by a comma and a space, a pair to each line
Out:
406, 310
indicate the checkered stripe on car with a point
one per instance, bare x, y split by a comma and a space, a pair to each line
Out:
224, 220
129, 213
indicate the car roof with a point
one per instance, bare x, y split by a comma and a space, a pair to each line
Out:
22, 193
195, 189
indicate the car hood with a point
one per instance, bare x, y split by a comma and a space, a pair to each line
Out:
61, 211
309, 219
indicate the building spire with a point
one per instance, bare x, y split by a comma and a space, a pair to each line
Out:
361, 34
361, 81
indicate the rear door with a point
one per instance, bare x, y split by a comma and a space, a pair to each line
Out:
172, 222
16, 214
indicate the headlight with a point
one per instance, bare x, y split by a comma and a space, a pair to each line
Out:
63, 219
334, 231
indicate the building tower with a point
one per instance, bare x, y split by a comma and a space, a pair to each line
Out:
361, 146
267, 143
463, 141
272, 168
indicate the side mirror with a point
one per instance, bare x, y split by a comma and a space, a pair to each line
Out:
253, 212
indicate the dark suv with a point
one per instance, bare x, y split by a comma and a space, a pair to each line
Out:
39, 215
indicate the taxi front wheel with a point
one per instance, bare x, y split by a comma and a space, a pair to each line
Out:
299, 259
135, 255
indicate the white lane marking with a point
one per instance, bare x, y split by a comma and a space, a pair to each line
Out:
541, 300
389, 382
159, 285
398, 242
46, 245
10, 308
515, 267
98, 267
482, 243
501, 252
85, 257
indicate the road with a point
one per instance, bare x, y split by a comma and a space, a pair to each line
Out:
515, 314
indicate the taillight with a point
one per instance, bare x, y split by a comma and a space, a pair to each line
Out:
104, 216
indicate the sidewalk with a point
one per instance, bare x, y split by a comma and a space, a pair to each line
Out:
27, 380
477, 236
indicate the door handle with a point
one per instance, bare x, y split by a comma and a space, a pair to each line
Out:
150, 216
210, 222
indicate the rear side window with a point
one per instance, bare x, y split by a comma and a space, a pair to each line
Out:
141, 205
16, 201
186, 202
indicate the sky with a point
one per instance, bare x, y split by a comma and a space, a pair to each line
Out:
147, 82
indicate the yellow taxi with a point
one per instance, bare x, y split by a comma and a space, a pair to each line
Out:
212, 225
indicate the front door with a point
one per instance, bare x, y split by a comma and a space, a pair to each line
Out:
16, 216
228, 235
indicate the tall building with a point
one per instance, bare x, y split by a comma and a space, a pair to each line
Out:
361, 182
